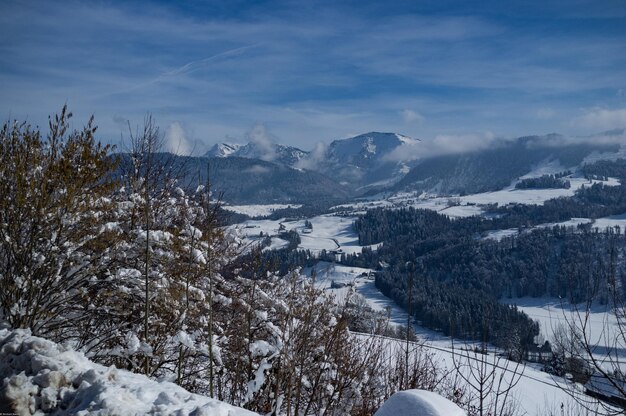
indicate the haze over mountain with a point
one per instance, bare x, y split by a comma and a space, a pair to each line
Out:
362, 160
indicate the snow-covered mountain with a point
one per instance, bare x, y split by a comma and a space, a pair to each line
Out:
368, 160
224, 150
269, 152
375, 161
367, 149
503, 162
361, 161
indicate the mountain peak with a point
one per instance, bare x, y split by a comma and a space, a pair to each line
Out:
269, 152
363, 145
223, 149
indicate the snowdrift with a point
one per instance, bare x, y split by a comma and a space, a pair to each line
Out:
418, 403
41, 376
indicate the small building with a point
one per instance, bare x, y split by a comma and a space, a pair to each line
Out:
338, 285
539, 353
611, 391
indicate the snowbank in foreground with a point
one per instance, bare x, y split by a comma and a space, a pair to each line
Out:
418, 403
41, 376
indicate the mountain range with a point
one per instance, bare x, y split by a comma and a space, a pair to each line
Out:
370, 163
359, 162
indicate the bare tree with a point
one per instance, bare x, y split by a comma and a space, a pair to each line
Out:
592, 338
490, 378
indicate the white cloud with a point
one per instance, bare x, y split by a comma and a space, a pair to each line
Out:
412, 116
264, 141
315, 157
175, 140
602, 119
545, 113
247, 66
442, 145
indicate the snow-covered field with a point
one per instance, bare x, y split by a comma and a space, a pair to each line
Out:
40, 377
329, 232
602, 326
258, 210
468, 205
599, 224
418, 403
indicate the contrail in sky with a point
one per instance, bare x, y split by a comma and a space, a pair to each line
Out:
187, 68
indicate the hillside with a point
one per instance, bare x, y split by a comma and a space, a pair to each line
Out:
251, 181
496, 167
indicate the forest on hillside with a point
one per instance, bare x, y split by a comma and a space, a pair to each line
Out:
457, 274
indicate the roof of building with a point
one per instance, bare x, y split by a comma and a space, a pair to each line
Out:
601, 385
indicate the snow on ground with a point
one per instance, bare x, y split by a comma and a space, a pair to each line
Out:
345, 279
41, 376
276, 244
257, 210
534, 393
418, 403
597, 156
547, 167
612, 221
572, 222
510, 195
329, 232
498, 235
461, 211
600, 224
468, 205
603, 327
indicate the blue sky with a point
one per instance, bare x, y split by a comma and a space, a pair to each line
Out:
304, 72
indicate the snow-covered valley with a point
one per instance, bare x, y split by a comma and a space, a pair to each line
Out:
536, 392
307, 307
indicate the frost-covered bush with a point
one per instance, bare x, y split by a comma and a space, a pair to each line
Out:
52, 239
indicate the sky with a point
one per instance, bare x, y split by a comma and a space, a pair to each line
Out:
305, 72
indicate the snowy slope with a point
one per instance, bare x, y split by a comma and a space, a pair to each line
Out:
329, 232
258, 210
366, 160
41, 376
224, 150
358, 150
535, 393
473, 204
